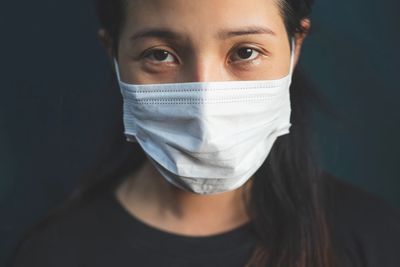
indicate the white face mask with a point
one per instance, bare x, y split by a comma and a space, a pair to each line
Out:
207, 137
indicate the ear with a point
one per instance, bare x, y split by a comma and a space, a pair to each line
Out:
306, 25
106, 42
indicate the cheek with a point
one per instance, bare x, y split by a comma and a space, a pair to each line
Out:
141, 75
280, 63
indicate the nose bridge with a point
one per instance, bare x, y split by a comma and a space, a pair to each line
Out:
204, 67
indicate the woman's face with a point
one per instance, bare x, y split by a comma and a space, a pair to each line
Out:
197, 41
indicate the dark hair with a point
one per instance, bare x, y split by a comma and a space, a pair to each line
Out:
286, 204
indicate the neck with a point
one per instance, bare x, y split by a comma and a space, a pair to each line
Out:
148, 196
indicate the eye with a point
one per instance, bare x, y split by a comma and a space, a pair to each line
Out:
245, 54
159, 55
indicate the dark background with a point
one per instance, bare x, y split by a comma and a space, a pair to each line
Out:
55, 108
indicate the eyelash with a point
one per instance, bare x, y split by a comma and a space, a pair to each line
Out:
149, 53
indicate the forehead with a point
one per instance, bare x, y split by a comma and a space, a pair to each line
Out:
203, 16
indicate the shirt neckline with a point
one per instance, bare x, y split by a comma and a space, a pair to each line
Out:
157, 239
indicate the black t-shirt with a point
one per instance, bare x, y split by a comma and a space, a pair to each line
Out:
101, 233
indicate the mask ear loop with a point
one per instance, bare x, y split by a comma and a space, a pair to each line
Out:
292, 56
116, 69
129, 138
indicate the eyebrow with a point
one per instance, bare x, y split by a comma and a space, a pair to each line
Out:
164, 33
224, 34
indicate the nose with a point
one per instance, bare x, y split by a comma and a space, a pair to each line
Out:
204, 69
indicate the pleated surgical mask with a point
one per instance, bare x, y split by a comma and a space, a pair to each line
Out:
207, 137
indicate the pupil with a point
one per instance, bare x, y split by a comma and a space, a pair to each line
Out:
160, 55
245, 53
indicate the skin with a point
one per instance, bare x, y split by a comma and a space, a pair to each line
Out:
214, 40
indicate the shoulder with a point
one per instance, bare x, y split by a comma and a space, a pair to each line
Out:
58, 239
365, 227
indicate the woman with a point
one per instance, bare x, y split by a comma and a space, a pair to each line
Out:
219, 169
